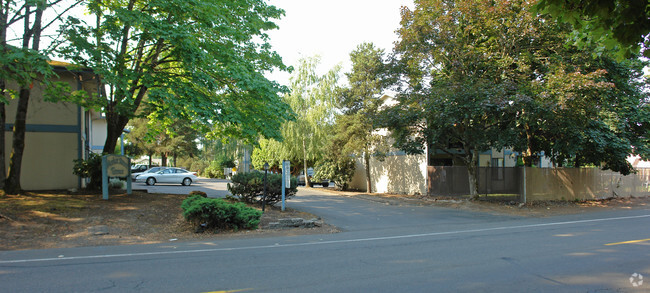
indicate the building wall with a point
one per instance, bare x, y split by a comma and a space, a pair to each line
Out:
55, 137
98, 132
47, 160
397, 174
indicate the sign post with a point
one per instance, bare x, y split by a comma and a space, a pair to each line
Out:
115, 166
286, 179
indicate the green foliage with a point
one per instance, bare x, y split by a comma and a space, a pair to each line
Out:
249, 187
622, 25
340, 169
90, 168
214, 170
482, 74
455, 61
354, 130
220, 214
312, 98
157, 54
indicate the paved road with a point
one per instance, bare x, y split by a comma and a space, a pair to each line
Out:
384, 248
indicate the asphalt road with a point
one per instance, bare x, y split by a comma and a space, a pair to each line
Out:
384, 248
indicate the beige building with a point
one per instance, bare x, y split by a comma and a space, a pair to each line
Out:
56, 134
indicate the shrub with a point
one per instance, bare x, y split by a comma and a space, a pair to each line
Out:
341, 170
90, 168
274, 192
214, 170
249, 187
217, 213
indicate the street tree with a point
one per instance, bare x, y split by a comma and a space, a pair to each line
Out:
198, 59
24, 61
480, 75
360, 102
591, 114
312, 98
178, 140
454, 97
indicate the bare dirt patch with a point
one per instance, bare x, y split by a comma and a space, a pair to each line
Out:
59, 219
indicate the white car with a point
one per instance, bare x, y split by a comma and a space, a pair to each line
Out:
168, 175
147, 172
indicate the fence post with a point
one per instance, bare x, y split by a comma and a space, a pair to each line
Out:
524, 193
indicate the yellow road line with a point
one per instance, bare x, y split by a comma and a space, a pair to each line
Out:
628, 242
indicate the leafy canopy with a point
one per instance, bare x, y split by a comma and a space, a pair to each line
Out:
202, 60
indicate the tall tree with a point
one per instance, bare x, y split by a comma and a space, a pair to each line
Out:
312, 98
203, 59
455, 97
483, 74
24, 62
360, 102
589, 113
179, 140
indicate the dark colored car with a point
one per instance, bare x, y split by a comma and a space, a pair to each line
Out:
310, 172
138, 168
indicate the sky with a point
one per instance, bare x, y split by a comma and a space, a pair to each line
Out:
332, 29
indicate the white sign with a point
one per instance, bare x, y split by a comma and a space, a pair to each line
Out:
286, 170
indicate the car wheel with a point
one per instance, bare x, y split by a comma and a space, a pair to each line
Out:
326, 184
187, 182
311, 184
151, 181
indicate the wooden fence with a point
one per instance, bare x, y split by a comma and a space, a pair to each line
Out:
532, 184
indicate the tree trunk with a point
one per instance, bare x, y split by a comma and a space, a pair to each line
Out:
3, 113
528, 155
12, 184
164, 160
304, 163
3, 123
366, 159
115, 124
472, 172
150, 159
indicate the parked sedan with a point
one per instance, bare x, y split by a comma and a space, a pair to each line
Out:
169, 175
151, 170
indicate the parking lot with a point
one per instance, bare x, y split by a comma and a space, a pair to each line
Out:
212, 187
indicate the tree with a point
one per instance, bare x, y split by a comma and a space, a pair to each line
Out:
593, 118
312, 98
25, 64
140, 137
361, 102
483, 75
623, 25
338, 163
180, 139
202, 60
455, 95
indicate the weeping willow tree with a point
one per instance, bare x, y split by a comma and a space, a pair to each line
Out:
312, 98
